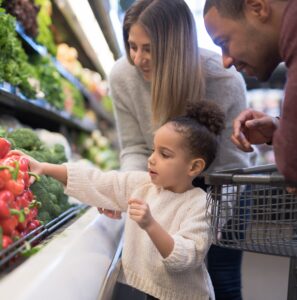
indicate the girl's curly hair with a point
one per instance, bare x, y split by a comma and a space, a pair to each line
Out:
201, 125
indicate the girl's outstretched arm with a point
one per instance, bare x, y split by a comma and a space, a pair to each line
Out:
59, 172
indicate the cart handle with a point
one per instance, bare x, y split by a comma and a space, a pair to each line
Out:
248, 175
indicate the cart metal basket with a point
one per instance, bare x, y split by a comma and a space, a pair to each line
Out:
253, 210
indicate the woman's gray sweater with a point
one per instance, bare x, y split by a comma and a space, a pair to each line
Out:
132, 107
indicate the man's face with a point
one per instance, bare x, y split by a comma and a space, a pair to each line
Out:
245, 43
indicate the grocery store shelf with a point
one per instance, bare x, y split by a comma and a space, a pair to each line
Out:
33, 110
41, 50
72, 265
94, 104
30, 43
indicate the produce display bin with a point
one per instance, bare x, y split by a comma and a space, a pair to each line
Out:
74, 262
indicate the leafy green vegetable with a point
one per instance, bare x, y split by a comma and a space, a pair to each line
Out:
44, 21
50, 193
74, 95
24, 138
14, 66
50, 80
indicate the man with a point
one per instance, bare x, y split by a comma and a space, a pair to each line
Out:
255, 36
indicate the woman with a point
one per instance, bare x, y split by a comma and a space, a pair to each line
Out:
163, 70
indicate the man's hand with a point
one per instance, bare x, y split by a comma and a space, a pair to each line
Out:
253, 127
292, 190
113, 214
139, 211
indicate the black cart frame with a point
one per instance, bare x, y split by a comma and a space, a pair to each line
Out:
255, 209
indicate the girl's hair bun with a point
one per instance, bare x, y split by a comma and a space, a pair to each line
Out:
208, 114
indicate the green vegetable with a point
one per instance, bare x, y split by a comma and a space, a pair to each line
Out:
75, 96
14, 66
29, 250
50, 193
50, 80
25, 138
97, 149
44, 21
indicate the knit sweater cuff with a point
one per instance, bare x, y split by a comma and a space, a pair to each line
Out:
74, 171
182, 256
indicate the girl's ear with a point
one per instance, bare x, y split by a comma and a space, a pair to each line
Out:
197, 166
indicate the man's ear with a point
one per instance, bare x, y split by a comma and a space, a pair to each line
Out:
197, 166
259, 9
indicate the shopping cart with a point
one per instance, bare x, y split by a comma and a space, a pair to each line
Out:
255, 209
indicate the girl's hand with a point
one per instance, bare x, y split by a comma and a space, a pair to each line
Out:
58, 172
35, 166
113, 214
139, 211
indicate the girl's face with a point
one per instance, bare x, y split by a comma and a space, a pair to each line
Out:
170, 165
140, 50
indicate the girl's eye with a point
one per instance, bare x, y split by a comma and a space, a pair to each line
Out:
165, 155
152, 150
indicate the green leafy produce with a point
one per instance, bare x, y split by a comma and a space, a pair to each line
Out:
74, 100
44, 21
97, 149
53, 155
50, 193
50, 81
26, 13
14, 66
24, 138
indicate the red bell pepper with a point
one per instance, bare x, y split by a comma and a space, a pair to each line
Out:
4, 147
7, 196
16, 187
6, 241
33, 225
4, 175
25, 199
4, 210
11, 159
9, 225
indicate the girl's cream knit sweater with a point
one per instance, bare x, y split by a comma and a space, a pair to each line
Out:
180, 276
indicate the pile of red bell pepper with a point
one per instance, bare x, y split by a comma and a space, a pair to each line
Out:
18, 207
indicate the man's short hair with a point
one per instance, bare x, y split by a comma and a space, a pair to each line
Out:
227, 8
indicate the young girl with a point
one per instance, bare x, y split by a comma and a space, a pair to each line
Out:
167, 233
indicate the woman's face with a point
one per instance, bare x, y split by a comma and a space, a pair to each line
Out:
140, 50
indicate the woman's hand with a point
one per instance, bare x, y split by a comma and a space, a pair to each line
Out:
139, 211
113, 214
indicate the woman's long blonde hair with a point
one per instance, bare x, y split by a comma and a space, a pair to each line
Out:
177, 77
